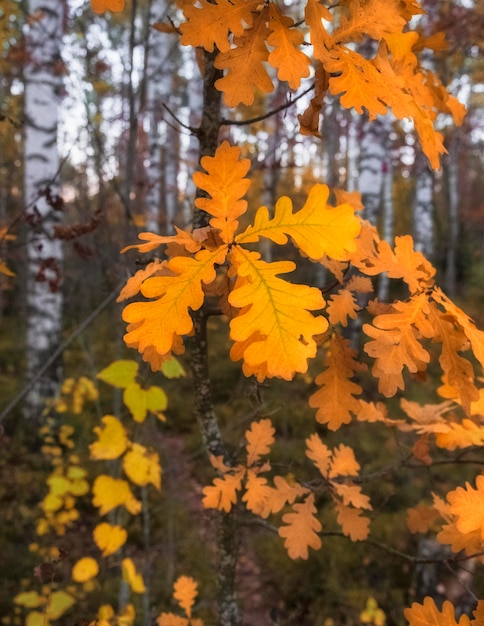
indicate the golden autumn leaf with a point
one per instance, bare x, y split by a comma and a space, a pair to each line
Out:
468, 506
260, 437
120, 373
343, 462
29, 599
158, 324
185, 591
245, 64
170, 619
133, 284
274, 317
85, 569
334, 382
351, 495
109, 493
316, 228
257, 493
132, 576
395, 342
282, 493
301, 528
109, 538
225, 182
471, 543
461, 435
342, 306
101, 6
291, 63
427, 614
319, 454
140, 401
112, 439
141, 466
208, 24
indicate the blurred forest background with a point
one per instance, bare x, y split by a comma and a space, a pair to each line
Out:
123, 97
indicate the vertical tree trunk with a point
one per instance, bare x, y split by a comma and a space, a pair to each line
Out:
373, 158
423, 210
43, 82
453, 234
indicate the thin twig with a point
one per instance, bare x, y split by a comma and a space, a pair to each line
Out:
252, 120
55, 355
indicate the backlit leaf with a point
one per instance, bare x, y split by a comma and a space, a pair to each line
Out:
119, 373
140, 401
316, 229
225, 182
468, 505
274, 316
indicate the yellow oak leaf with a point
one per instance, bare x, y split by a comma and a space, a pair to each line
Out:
131, 576
112, 439
334, 382
141, 466
319, 454
183, 238
208, 24
343, 462
468, 506
427, 418
292, 65
376, 18
140, 401
85, 569
274, 316
316, 228
427, 614
157, 325
260, 437
223, 493
395, 342
301, 528
245, 64
109, 493
185, 591
373, 614
109, 538
464, 435
101, 6
352, 523
225, 182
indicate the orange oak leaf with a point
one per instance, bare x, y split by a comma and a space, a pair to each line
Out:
427, 614
133, 284
351, 495
343, 462
319, 454
222, 494
421, 518
301, 528
153, 240
461, 435
352, 523
395, 342
260, 437
321, 40
245, 65
292, 65
209, 23
341, 306
274, 317
257, 493
316, 228
225, 182
468, 506
335, 382
185, 591
282, 493
101, 6
156, 324
309, 119
472, 543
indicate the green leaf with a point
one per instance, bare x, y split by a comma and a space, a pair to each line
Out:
29, 599
139, 401
60, 602
173, 368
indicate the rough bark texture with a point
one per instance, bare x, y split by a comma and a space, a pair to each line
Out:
43, 81
229, 614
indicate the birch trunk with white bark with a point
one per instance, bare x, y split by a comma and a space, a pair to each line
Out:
43, 84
